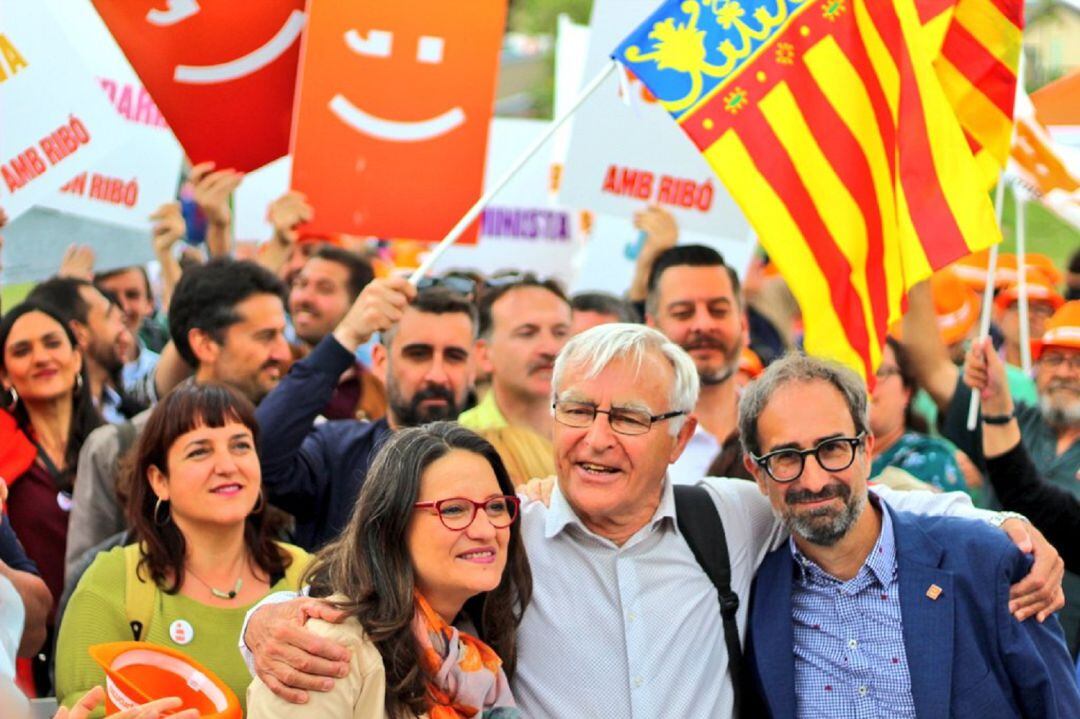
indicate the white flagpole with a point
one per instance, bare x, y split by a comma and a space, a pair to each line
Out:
476, 209
988, 298
1021, 267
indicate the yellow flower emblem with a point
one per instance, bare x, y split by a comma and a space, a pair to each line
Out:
735, 100
832, 9
785, 53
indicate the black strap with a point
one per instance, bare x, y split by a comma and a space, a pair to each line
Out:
703, 530
54, 472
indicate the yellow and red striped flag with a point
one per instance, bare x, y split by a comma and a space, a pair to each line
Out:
976, 49
828, 125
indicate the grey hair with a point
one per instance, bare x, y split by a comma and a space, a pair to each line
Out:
798, 367
596, 348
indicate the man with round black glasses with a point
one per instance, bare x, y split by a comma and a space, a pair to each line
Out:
889, 613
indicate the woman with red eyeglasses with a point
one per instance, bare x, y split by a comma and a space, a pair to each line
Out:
432, 573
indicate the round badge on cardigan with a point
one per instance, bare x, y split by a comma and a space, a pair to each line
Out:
181, 632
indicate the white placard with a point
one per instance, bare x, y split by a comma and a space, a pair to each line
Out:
133, 180
257, 190
54, 120
624, 156
605, 265
522, 228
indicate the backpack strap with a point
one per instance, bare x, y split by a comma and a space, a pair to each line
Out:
703, 530
138, 594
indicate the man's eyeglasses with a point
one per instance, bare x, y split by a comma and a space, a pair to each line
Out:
458, 513
832, 455
622, 420
1059, 359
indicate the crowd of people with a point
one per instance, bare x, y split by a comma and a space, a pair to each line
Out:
348, 496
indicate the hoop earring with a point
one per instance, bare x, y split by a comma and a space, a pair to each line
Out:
157, 508
260, 505
78, 382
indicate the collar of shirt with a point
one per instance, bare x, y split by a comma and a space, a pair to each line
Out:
561, 515
485, 414
880, 564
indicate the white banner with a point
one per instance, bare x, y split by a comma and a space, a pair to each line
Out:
143, 172
522, 229
54, 120
624, 156
256, 192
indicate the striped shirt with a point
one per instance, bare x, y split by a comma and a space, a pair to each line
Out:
849, 638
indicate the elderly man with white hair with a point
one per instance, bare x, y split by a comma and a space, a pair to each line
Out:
624, 621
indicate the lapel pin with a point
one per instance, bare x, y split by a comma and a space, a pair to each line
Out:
934, 591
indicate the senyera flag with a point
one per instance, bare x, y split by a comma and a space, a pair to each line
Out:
830, 129
976, 49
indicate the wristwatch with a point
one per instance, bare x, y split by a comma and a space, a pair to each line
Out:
999, 418
999, 518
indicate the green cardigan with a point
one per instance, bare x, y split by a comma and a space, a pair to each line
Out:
96, 615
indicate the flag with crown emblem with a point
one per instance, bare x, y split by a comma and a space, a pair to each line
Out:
828, 125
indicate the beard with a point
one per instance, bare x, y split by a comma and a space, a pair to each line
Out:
824, 526
1060, 412
711, 376
411, 412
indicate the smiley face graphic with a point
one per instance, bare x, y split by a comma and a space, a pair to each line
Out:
394, 108
222, 73
379, 43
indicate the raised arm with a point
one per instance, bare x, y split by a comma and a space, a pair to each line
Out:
934, 370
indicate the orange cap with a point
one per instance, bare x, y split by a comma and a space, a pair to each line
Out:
750, 363
972, 269
138, 672
956, 305
1039, 289
1062, 330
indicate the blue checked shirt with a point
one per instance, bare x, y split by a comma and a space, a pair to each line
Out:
849, 638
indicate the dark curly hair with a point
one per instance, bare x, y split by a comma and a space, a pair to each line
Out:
206, 296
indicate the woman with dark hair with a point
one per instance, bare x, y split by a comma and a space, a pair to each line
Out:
432, 545
900, 438
203, 553
45, 415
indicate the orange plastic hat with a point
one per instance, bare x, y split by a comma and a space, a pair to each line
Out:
750, 363
956, 305
138, 672
1008, 274
1062, 330
971, 270
1039, 289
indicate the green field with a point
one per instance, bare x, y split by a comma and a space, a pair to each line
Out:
1046, 232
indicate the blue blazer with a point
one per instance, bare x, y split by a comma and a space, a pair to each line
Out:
968, 657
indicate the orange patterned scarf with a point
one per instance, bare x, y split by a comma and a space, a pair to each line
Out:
465, 675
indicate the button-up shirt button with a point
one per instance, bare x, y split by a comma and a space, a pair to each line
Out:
852, 643
638, 681
862, 691
631, 617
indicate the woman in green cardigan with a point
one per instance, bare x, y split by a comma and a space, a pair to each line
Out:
203, 553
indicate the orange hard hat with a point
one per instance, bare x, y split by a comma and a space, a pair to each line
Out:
956, 305
138, 672
971, 270
750, 363
1062, 330
1008, 264
1039, 289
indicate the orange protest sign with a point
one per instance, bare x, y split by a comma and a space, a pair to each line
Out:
391, 123
222, 73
